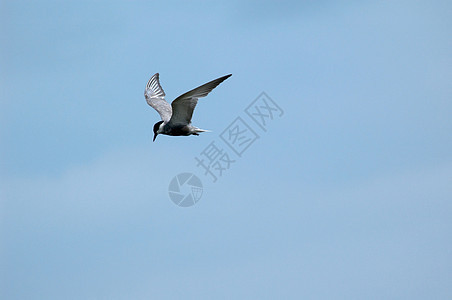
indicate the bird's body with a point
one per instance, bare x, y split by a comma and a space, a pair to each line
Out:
178, 129
176, 118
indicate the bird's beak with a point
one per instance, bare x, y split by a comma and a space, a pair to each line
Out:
155, 135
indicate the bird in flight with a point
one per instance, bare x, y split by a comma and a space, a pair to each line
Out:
176, 118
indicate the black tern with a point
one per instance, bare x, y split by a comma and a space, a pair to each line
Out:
176, 118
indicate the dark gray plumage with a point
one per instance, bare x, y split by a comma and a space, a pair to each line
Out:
176, 118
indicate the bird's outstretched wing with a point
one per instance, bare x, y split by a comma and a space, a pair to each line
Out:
184, 105
155, 97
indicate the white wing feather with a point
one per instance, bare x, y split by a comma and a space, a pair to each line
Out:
155, 97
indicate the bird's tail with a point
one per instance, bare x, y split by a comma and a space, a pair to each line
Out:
198, 130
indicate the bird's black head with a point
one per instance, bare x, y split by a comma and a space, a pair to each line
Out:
156, 128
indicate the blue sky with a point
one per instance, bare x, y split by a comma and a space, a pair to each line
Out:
346, 196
